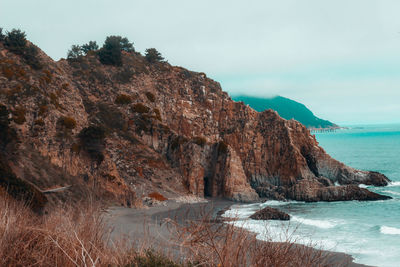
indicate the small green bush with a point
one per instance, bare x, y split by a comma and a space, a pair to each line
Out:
152, 55
110, 53
91, 46
140, 108
2, 36
15, 41
75, 53
123, 99
153, 259
150, 96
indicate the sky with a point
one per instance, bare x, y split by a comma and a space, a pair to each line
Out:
341, 58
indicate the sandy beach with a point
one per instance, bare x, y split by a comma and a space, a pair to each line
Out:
148, 225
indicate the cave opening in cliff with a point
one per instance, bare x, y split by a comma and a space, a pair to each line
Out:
207, 187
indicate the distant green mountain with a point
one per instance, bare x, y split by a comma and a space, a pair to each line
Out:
287, 109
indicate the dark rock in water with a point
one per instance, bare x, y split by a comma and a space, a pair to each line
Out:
349, 192
269, 213
312, 191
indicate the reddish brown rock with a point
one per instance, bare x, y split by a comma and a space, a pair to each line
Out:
189, 137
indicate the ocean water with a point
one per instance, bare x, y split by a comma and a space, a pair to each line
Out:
369, 231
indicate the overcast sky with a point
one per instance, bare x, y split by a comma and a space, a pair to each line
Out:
341, 58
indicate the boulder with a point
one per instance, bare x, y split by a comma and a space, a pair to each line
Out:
269, 213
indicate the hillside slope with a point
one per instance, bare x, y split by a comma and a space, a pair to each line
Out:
287, 109
124, 132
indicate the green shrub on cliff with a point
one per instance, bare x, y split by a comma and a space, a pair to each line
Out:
91, 46
152, 55
111, 52
16, 42
2, 36
75, 52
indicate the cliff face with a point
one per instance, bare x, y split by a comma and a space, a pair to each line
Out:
165, 129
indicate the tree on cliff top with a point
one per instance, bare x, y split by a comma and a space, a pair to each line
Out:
75, 52
91, 46
2, 36
152, 55
15, 41
110, 53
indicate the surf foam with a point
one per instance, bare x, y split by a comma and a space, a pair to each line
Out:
316, 223
387, 230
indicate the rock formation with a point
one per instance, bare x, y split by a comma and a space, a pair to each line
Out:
123, 131
269, 213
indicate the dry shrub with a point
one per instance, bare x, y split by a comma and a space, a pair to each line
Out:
150, 96
67, 122
157, 196
123, 99
43, 110
140, 108
208, 242
7, 72
19, 115
158, 114
199, 140
39, 122
68, 236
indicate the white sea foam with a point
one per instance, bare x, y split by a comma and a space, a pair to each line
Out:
391, 192
392, 184
363, 186
387, 230
245, 211
316, 223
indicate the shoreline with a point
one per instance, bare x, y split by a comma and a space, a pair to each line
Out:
147, 224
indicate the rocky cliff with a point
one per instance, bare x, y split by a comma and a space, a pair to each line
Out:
126, 131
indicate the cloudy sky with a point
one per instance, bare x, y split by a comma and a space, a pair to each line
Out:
341, 58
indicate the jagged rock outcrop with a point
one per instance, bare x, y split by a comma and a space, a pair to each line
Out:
164, 128
269, 213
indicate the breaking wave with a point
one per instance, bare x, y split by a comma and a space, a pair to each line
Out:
387, 230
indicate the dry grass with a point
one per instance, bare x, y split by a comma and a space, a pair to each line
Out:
65, 237
157, 196
207, 242
79, 236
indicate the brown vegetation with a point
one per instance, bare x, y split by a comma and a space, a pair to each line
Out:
140, 108
157, 196
79, 236
19, 115
123, 99
150, 96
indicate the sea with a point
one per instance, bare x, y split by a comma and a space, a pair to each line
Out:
367, 230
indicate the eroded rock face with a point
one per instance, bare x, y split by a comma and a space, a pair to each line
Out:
179, 133
269, 213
